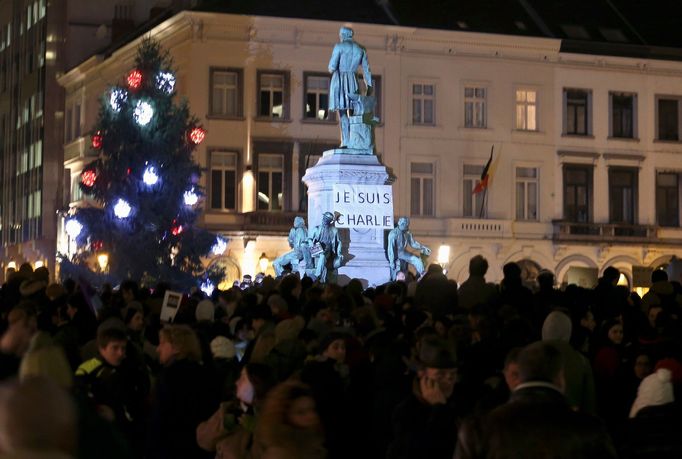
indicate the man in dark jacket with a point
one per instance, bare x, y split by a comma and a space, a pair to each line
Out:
537, 422
425, 424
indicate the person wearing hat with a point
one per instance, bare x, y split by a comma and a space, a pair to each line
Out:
425, 424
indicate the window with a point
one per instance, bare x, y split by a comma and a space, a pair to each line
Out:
223, 180
376, 88
226, 92
270, 182
623, 195
273, 95
473, 205
316, 101
577, 193
667, 199
622, 115
423, 103
67, 126
577, 112
76, 121
76, 192
309, 155
422, 191
474, 107
526, 110
526, 193
668, 119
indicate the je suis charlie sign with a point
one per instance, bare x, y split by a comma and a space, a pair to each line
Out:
363, 206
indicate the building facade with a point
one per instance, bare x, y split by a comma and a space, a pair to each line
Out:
585, 170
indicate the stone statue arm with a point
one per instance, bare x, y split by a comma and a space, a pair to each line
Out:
417, 246
366, 73
334, 60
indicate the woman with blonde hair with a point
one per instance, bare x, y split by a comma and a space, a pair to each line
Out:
185, 394
289, 427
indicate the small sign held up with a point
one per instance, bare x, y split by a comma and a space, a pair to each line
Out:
170, 306
363, 206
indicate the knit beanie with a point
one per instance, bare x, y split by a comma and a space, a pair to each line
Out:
222, 348
205, 311
557, 327
656, 389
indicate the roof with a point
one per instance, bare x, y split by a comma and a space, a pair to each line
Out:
628, 28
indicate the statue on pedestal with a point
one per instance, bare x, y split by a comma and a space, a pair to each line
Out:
399, 238
325, 247
298, 241
347, 56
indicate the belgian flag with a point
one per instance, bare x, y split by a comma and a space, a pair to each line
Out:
485, 175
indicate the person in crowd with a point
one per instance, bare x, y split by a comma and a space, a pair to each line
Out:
229, 431
514, 293
185, 395
38, 420
537, 421
425, 424
475, 290
579, 382
289, 426
609, 369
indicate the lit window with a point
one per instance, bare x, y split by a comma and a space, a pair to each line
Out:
526, 110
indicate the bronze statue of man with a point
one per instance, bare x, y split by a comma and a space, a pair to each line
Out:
347, 56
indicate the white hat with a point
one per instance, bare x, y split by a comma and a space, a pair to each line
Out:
656, 389
205, 311
222, 348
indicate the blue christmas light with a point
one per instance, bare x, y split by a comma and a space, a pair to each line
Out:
122, 209
219, 247
73, 228
190, 197
143, 113
117, 98
150, 177
207, 287
165, 81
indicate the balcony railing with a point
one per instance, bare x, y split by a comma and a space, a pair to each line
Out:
261, 222
604, 232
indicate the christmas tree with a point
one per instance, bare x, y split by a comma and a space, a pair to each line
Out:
144, 183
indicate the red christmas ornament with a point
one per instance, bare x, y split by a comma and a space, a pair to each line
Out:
97, 140
197, 135
128, 171
134, 79
88, 177
176, 230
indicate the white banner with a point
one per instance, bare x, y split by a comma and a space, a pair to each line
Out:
363, 206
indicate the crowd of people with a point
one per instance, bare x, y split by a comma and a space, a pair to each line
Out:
290, 368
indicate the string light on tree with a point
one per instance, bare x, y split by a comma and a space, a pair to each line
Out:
150, 177
219, 247
207, 287
122, 209
197, 135
73, 228
97, 139
190, 197
118, 97
88, 177
143, 113
165, 81
134, 79
176, 230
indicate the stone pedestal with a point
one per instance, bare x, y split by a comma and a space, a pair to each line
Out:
363, 249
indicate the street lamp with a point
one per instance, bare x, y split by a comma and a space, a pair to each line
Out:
263, 262
103, 261
444, 257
